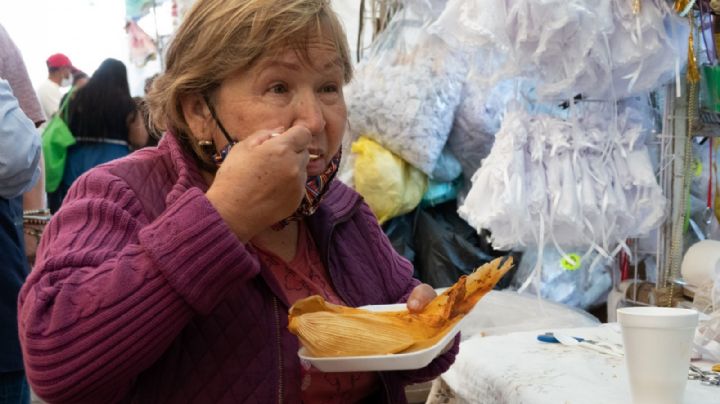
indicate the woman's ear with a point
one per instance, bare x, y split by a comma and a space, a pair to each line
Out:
197, 115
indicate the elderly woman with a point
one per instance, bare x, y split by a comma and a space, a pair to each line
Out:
167, 275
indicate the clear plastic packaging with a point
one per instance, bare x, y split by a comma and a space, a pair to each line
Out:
600, 49
405, 92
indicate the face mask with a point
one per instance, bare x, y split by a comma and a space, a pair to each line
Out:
315, 187
67, 81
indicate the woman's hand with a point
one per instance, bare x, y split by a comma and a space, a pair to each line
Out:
262, 180
32, 233
420, 297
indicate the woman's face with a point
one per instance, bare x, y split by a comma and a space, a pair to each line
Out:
283, 90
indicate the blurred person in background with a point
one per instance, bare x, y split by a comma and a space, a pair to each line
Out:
21, 165
12, 69
60, 71
105, 122
167, 275
154, 133
20, 156
80, 78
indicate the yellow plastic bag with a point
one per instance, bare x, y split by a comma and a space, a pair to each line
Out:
388, 183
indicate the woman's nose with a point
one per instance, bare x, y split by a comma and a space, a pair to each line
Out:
309, 113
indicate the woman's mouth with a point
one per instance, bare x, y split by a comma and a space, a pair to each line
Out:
316, 163
314, 154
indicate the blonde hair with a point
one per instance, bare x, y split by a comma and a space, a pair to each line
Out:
220, 37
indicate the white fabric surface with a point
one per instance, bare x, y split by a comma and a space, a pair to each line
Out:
517, 368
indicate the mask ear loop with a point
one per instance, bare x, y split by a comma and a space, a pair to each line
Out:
217, 121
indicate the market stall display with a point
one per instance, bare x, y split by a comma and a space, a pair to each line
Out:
603, 50
587, 182
566, 152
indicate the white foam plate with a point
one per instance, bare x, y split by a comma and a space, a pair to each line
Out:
372, 363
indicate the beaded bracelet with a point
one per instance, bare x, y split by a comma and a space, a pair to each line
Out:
36, 220
37, 212
35, 233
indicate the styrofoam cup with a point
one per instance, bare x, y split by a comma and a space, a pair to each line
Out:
658, 342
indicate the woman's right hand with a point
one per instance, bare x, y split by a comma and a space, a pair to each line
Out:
262, 180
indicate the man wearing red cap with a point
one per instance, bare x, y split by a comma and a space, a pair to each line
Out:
60, 71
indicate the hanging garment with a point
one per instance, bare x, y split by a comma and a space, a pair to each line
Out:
599, 49
585, 181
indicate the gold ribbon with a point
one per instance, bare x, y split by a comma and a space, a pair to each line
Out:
680, 5
683, 7
636, 7
693, 73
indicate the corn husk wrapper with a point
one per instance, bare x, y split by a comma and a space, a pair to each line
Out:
329, 330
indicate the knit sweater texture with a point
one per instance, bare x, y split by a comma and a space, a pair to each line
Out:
141, 293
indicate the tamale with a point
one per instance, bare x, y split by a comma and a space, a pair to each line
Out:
329, 330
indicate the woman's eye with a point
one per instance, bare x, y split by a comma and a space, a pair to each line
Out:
278, 89
330, 88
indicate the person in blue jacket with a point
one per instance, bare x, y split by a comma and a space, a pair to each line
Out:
19, 158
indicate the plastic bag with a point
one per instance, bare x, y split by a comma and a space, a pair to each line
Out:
447, 248
56, 139
400, 232
504, 311
447, 167
405, 92
441, 192
613, 53
564, 281
477, 119
389, 185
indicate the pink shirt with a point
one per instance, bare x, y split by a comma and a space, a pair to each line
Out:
305, 275
12, 69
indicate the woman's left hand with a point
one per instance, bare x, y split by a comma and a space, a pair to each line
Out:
32, 240
420, 297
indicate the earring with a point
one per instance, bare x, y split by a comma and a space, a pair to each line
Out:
204, 143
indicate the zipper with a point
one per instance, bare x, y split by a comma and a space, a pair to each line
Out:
279, 350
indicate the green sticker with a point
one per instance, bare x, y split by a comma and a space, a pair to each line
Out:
570, 262
698, 168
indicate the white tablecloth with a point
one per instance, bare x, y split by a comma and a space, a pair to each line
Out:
517, 368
